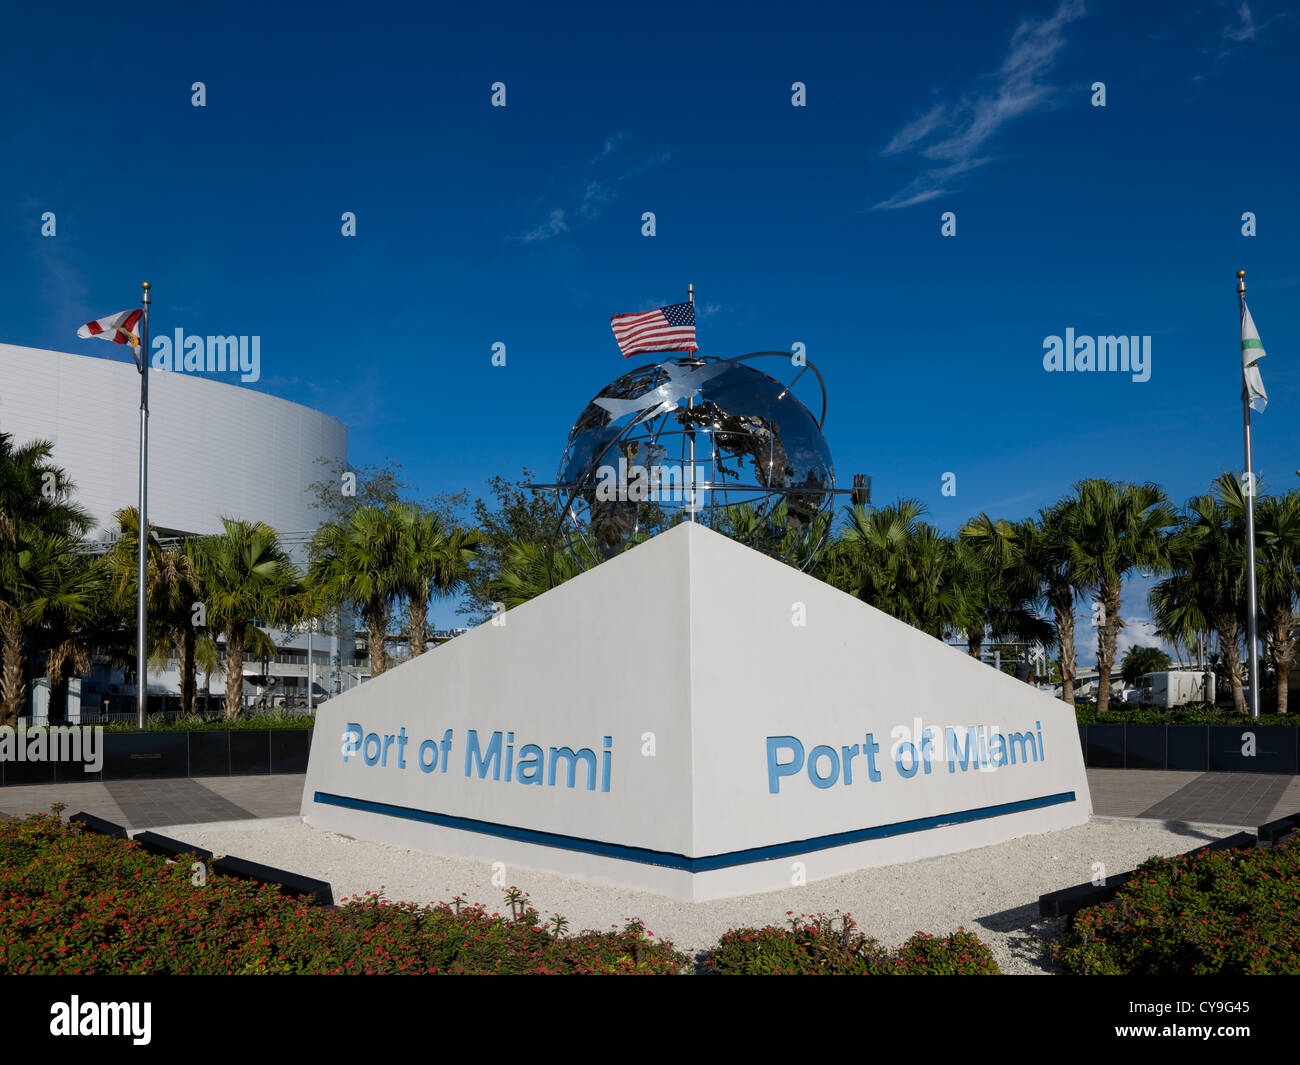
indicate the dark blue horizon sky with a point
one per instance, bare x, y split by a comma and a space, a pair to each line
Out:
818, 224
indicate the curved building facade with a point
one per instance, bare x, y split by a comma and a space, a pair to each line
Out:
215, 450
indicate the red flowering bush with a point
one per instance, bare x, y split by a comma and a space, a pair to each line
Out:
960, 954
1218, 912
73, 902
830, 945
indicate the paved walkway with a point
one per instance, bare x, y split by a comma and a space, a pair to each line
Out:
1245, 799
152, 803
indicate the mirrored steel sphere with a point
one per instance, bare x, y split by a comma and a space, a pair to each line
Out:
716, 441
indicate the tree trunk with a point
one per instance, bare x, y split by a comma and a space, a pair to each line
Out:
234, 671
12, 688
185, 661
1283, 648
377, 628
1063, 609
419, 612
1228, 632
1107, 635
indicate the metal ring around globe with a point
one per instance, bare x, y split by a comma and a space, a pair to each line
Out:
703, 439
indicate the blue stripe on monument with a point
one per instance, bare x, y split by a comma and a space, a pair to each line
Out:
680, 861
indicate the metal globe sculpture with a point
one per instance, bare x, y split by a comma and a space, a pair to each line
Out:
710, 440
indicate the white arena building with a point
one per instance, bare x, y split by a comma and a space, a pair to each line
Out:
215, 450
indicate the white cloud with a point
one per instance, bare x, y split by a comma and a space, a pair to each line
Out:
594, 189
1136, 631
594, 199
550, 228
1245, 30
1139, 632
953, 136
918, 129
612, 143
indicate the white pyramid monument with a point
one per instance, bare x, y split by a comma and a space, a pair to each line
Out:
695, 719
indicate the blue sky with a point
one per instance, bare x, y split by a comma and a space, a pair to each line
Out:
819, 224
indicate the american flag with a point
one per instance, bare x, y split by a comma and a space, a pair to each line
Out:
666, 329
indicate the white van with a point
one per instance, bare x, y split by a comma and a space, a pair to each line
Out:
1177, 687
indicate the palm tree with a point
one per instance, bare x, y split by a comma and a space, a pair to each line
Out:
172, 589
934, 597
1035, 548
1000, 591
314, 609
430, 557
207, 657
902, 566
359, 562
48, 589
36, 494
1139, 661
260, 646
1206, 589
525, 573
1277, 546
1112, 528
799, 551
874, 549
246, 577
50, 592
455, 562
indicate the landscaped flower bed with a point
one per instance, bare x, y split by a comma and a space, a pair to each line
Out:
1230, 912
76, 903
72, 902
830, 945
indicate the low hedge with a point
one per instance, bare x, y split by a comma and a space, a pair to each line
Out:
263, 719
1228, 912
72, 902
830, 945
1191, 714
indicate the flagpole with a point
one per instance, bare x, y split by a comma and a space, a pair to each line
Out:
690, 404
141, 618
1252, 606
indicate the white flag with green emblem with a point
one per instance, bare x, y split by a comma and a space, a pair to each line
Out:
1251, 352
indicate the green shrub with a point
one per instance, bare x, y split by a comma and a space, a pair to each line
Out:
959, 954
262, 719
1230, 912
76, 903
830, 945
1191, 714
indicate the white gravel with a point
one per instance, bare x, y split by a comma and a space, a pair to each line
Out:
992, 891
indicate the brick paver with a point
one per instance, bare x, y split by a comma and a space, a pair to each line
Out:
140, 804
1229, 798
1131, 792
1246, 799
